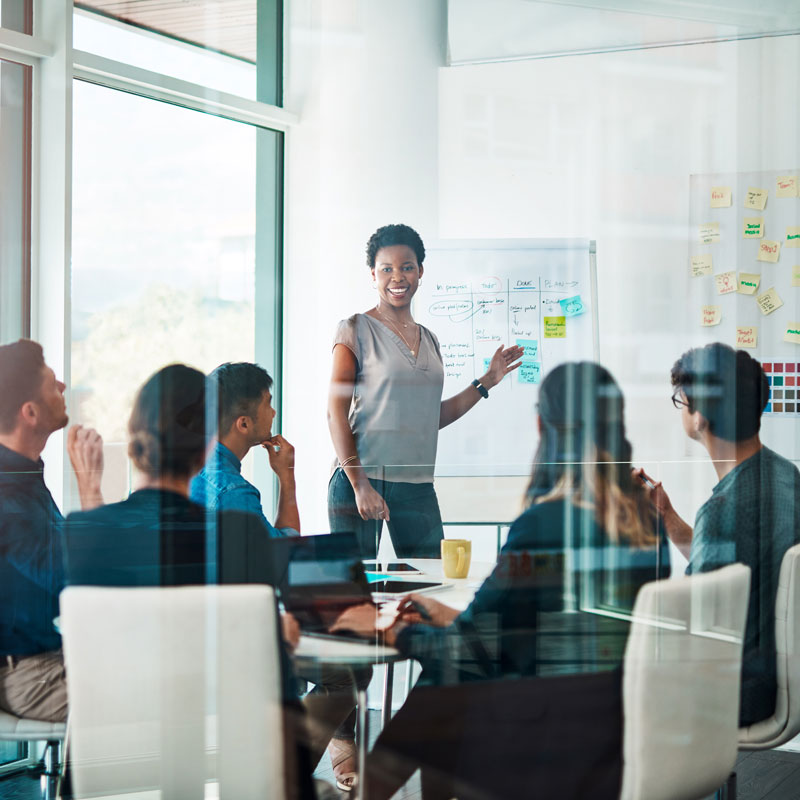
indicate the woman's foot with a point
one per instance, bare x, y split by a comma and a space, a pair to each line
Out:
343, 760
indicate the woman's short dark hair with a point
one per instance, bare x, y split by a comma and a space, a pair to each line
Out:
584, 455
21, 376
728, 387
390, 235
167, 426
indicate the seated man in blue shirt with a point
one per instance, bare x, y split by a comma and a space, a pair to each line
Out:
753, 514
245, 414
32, 683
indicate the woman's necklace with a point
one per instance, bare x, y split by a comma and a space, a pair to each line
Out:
412, 347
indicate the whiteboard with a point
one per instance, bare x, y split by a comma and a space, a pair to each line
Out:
476, 295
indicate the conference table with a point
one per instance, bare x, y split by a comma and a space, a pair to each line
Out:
324, 651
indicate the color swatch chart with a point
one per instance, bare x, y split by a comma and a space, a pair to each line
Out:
784, 386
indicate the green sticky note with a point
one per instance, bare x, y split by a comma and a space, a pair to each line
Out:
555, 327
529, 372
531, 348
572, 306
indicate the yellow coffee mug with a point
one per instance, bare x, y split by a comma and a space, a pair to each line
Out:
456, 554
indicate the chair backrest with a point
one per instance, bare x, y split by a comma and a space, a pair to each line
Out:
681, 684
785, 723
170, 687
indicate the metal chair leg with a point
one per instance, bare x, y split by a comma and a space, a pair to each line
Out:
728, 790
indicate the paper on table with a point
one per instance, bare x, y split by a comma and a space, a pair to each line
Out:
555, 327
720, 196
709, 232
726, 282
793, 235
756, 198
792, 333
769, 301
701, 265
748, 282
752, 228
796, 275
711, 315
747, 337
786, 186
769, 251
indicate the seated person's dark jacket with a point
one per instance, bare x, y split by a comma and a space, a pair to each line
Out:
160, 538
31, 572
549, 606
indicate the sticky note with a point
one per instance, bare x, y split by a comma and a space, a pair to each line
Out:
748, 283
572, 306
709, 232
711, 315
796, 275
752, 228
486, 362
726, 282
531, 348
555, 327
769, 251
769, 301
529, 372
720, 196
701, 265
747, 337
793, 236
786, 186
756, 198
792, 333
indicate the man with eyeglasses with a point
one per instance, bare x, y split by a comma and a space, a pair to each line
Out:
753, 514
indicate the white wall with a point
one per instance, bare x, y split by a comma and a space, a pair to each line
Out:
362, 75
602, 146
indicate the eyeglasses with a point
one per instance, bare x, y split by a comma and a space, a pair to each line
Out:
678, 401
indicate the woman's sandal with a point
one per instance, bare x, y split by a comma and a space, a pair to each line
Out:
342, 750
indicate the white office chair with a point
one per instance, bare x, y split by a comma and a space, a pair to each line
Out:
784, 724
16, 729
681, 684
172, 687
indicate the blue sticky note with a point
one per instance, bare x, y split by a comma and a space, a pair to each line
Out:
572, 306
531, 347
486, 362
529, 372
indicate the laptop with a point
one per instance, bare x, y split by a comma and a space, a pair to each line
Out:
325, 576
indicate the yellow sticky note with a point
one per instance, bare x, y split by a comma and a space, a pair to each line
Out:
769, 251
796, 275
726, 282
756, 198
720, 196
748, 282
786, 186
701, 265
555, 327
752, 228
793, 235
769, 301
792, 333
711, 315
747, 337
709, 232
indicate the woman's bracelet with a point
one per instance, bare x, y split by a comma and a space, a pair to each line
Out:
347, 461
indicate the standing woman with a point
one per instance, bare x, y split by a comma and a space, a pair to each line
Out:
385, 407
